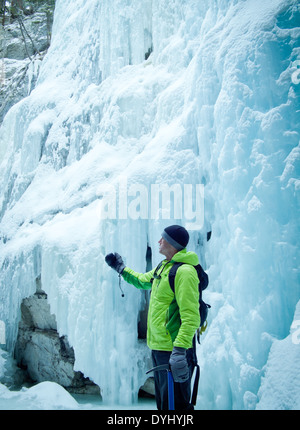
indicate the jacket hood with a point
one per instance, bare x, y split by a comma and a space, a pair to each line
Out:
185, 256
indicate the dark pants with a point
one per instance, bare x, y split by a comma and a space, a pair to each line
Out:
182, 391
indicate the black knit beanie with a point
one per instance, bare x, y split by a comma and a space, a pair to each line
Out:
176, 236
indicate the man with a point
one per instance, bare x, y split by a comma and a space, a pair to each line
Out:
172, 318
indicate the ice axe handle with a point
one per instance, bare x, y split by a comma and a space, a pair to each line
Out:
159, 368
170, 383
171, 391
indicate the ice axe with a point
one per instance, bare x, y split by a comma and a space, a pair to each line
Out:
170, 383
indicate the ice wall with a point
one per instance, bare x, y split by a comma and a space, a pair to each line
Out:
214, 104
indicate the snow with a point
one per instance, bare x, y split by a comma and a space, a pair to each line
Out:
214, 104
44, 396
52, 396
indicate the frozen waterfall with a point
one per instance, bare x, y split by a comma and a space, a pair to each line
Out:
133, 94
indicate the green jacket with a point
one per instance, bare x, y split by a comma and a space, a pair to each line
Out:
171, 322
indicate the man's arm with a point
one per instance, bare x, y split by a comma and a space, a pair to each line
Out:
139, 280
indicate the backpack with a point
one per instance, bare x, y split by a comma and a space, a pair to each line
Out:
203, 283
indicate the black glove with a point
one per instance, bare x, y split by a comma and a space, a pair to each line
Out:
115, 261
178, 364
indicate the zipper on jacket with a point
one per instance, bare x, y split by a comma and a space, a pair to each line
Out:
167, 317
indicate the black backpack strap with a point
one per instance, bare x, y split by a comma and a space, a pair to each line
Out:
156, 270
202, 276
172, 275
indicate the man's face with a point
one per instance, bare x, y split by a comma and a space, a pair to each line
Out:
162, 245
165, 248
